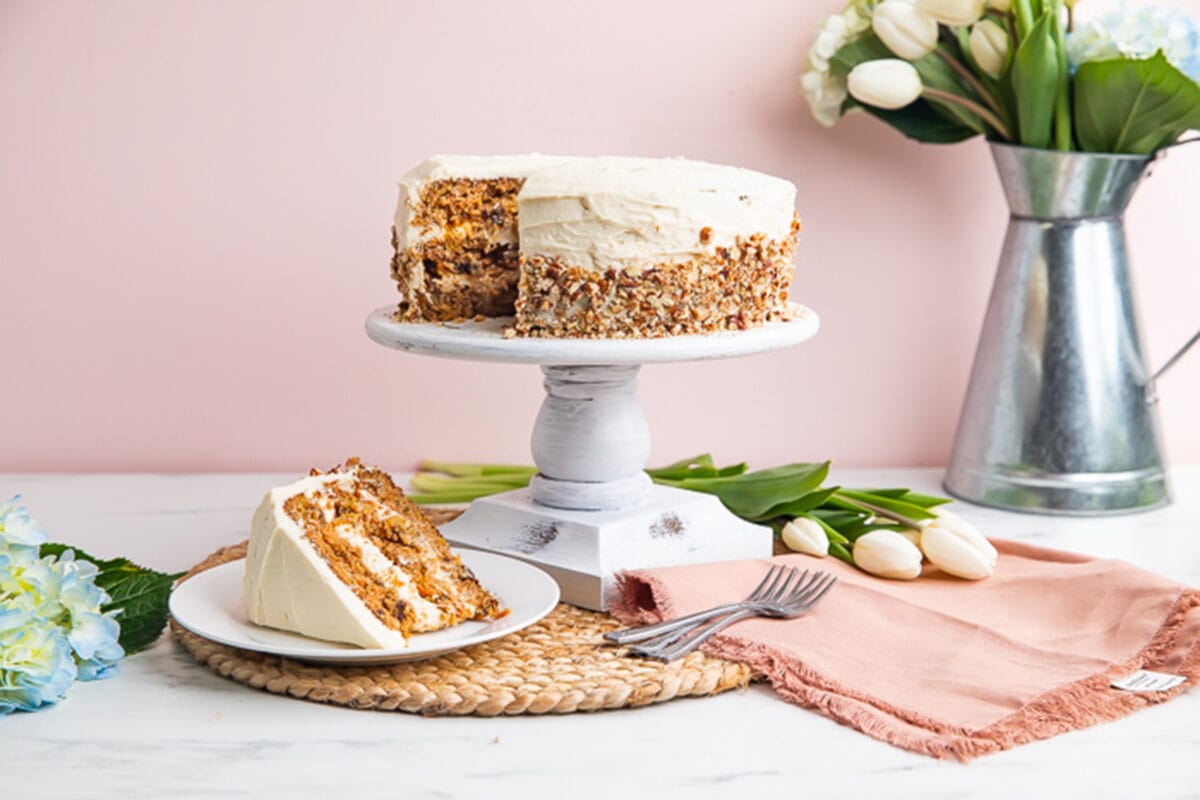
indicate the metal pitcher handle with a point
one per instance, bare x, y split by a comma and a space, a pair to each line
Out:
1151, 392
1151, 384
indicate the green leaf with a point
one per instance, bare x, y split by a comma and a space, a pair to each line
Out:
901, 507
752, 494
139, 595
1035, 79
922, 122
475, 470
484, 484
701, 466
1134, 106
801, 505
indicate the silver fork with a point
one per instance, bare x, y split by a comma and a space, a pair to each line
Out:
768, 586
798, 601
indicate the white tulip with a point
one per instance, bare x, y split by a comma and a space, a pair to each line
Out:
989, 47
1003, 6
884, 83
906, 30
957, 547
954, 13
805, 535
966, 530
912, 536
888, 555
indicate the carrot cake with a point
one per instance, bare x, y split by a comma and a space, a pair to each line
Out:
595, 247
345, 556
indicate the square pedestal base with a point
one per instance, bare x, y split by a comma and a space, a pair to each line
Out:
582, 550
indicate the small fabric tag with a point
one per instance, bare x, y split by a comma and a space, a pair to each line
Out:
1146, 681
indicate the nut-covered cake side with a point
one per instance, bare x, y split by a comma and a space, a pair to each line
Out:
732, 288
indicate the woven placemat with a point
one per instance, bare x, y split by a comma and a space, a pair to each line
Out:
556, 666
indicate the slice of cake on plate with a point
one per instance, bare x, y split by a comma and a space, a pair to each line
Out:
345, 556
594, 247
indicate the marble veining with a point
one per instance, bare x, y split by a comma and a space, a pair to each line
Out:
167, 727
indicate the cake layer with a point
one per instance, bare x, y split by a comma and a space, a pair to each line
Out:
455, 235
344, 556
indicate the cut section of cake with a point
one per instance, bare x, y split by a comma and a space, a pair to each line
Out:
455, 236
344, 556
641, 247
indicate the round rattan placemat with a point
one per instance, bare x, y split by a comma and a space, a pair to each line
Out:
556, 666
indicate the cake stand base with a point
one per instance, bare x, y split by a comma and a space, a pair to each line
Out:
582, 550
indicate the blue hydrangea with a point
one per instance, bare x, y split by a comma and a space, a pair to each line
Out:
52, 627
1138, 32
36, 663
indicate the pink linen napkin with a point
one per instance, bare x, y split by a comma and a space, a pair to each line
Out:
946, 667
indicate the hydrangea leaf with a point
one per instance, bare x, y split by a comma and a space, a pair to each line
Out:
139, 593
1133, 106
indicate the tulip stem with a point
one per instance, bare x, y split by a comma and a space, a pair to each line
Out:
1063, 136
907, 522
985, 114
972, 81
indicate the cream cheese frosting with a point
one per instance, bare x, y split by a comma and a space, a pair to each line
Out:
288, 585
623, 212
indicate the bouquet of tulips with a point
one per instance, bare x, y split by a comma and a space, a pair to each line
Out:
1017, 71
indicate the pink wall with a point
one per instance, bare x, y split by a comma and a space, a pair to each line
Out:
195, 200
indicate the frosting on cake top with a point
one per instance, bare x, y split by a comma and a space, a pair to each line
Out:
615, 211
620, 212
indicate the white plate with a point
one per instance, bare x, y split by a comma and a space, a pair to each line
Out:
210, 604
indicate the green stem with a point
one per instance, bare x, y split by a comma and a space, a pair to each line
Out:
985, 114
971, 80
1024, 12
1062, 99
907, 522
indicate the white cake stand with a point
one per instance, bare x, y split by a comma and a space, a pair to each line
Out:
592, 510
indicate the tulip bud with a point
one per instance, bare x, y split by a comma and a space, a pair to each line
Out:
906, 30
964, 529
1004, 6
957, 547
989, 47
884, 83
805, 535
888, 555
955, 13
912, 536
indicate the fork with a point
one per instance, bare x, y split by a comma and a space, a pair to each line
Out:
682, 625
798, 601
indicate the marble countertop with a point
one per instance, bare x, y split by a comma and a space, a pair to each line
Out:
169, 727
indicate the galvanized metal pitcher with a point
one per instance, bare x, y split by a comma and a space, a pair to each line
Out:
1060, 415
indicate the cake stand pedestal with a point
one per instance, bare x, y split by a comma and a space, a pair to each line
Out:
591, 510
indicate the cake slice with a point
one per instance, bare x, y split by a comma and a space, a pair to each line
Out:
345, 556
455, 236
